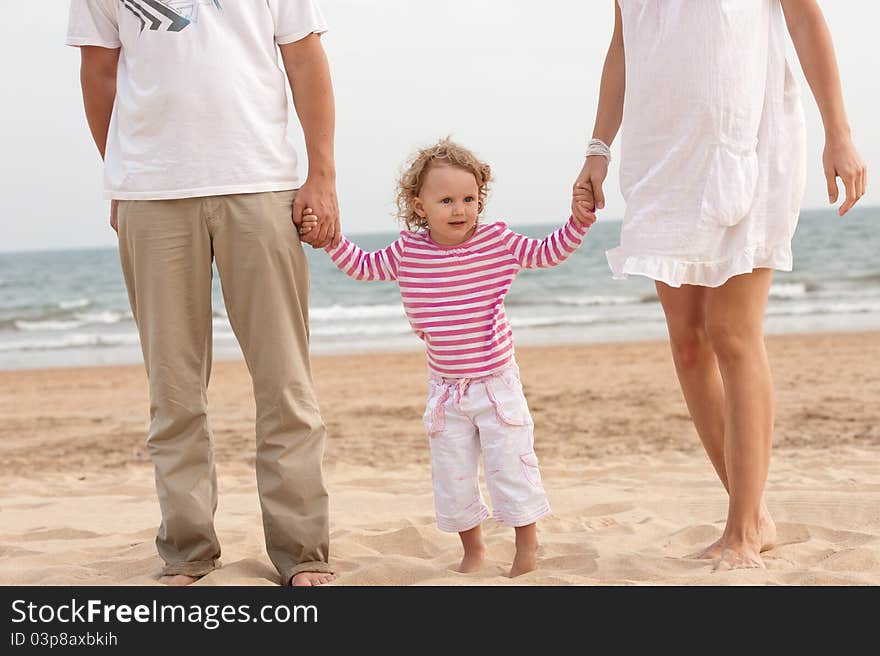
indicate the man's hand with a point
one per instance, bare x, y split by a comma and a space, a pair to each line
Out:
114, 215
319, 197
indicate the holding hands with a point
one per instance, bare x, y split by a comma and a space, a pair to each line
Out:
309, 223
319, 198
587, 195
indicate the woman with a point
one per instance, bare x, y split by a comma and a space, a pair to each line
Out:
713, 173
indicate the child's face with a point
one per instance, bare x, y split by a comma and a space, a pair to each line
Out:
450, 201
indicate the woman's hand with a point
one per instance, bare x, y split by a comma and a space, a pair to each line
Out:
587, 195
842, 160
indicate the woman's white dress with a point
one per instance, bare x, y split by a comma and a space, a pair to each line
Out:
712, 164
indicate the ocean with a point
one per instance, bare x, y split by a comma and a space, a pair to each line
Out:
70, 308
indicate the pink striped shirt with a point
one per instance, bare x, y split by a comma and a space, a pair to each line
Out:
454, 295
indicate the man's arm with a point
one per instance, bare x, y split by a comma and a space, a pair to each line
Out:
309, 74
98, 81
812, 40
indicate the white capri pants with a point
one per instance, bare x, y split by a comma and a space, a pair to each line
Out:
465, 416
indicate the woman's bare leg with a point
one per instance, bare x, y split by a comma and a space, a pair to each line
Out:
702, 386
696, 366
735, 325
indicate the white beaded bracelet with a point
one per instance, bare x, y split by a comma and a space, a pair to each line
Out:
599, 147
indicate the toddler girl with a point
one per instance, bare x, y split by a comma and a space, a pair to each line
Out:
453, 273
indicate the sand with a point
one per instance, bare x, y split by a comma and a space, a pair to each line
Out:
632, 491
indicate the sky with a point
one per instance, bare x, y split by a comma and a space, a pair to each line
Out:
515, 81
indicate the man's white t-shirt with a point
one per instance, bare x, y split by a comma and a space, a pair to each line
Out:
201, 103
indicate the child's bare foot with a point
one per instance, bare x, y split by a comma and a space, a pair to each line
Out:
310, 579
768, 539
474, 550
472, 560
526, 558
178, 579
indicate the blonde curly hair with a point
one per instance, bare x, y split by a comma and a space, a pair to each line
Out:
444, 152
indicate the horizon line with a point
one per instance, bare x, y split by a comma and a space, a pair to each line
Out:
62, 249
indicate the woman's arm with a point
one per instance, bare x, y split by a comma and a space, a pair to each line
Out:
587, 193
548, 252
815, 50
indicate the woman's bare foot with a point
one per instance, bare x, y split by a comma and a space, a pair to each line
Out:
739, 556
178, 579
742, 549
526, 558
768, 539
311, 579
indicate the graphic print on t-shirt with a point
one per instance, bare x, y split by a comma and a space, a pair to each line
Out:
170, 15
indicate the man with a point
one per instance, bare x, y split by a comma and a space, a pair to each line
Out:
187, 104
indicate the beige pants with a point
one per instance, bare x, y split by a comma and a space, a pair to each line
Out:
167, 248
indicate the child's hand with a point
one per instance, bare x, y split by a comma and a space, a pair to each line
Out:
583, 204
587, 194
309, 221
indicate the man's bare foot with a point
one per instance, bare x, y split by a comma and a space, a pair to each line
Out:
473, 560
178, 579
307, 579
768, 539
525, 560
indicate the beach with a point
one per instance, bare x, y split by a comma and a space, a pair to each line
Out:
631, 489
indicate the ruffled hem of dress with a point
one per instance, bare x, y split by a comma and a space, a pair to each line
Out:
676, 272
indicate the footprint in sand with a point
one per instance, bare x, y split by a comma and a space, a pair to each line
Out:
393, 570
29, 506
606, 509
408, 541
11, 551
599, 523
689, 540
58, 534
853, 560
794, 533
581, 565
